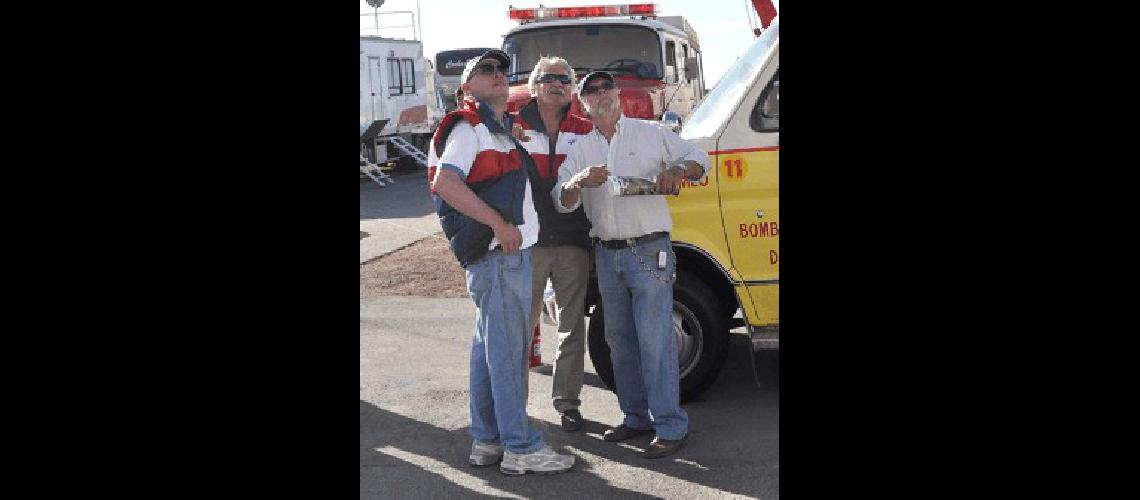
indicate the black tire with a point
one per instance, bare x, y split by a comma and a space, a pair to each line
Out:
694, 304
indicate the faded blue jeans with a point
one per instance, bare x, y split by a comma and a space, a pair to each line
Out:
500, 286
639, 329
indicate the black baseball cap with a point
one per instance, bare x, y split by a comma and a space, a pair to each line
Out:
591, 76
496, 54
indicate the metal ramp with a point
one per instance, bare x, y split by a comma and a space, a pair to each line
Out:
374, 172
406, 148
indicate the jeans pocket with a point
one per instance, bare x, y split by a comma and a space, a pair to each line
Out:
477, 278
514, 261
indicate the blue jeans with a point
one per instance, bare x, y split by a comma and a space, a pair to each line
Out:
500, 286
639, 329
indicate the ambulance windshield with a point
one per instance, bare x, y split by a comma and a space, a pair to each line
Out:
718, 106
623, 50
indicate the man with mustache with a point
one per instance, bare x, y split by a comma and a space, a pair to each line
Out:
634, 259
481, 181
562, 253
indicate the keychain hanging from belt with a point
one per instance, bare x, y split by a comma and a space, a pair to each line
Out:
662, 263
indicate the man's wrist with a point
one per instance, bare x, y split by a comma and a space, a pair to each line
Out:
680, 169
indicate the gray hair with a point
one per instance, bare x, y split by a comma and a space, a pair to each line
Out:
540, 68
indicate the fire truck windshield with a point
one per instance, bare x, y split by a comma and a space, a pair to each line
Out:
623, 50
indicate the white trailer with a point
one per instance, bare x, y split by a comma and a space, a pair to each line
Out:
392, 88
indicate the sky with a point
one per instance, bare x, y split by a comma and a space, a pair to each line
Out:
722, 26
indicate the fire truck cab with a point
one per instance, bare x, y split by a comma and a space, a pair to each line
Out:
656, 60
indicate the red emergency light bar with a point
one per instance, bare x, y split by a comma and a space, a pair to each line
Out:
638, 9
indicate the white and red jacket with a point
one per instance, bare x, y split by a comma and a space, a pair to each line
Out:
471, 143
555, 228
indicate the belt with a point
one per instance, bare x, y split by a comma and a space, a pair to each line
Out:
627, 242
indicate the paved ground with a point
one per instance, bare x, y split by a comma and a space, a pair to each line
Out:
414, 418
414, 414
395, 216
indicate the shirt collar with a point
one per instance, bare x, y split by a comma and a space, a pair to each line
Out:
617, 126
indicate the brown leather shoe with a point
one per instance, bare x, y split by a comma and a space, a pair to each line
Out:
662, 447
621, 433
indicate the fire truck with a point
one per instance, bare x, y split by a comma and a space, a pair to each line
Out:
656, 60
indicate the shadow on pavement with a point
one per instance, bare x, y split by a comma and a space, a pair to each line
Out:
733, 447
400, 457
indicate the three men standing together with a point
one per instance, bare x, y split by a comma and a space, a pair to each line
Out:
519, 213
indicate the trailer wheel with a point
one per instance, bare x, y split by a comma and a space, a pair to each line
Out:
702, 337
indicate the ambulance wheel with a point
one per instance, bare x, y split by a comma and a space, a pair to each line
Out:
702, 337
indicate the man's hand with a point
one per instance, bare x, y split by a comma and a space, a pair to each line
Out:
519, 134
591, 177
669, 181
510, 238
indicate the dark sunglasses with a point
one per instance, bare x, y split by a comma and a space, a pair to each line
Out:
593, 90
488, 69
551, 77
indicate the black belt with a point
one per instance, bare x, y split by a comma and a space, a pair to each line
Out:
627, 242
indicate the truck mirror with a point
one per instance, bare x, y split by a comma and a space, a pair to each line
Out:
672, 120
690, 68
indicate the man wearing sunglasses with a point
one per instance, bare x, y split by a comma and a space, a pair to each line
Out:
562, 253
635, 263
481, 181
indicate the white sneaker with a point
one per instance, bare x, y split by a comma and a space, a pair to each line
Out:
543, 461
485, 454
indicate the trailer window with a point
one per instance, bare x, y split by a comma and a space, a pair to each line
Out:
395, 84
670, 61
401, 77
408, 75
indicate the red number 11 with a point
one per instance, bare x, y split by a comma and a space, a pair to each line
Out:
728, 167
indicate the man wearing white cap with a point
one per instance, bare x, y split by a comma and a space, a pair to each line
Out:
486, 210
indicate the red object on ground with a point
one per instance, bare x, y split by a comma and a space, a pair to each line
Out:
536, 349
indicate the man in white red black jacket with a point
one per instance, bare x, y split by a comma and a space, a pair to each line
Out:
562, 253
481, 180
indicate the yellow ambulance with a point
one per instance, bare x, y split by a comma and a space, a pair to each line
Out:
726, 229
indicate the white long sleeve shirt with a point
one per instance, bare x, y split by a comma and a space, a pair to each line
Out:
639, 149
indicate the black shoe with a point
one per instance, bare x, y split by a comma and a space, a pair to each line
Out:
571, 420
621, 433
662, 447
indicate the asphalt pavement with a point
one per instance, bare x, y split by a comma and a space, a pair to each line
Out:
414, 420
